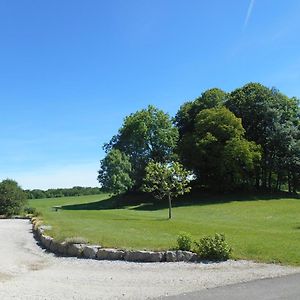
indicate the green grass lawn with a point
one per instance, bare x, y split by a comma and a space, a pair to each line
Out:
259, 228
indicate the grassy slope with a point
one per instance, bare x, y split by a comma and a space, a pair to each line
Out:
263, 230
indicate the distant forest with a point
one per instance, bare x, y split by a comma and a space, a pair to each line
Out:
62, 192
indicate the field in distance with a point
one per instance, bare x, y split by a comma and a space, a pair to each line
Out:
258, 228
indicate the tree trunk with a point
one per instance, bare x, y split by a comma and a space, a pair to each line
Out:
289, 182
264, 177
294, 183
257, 179
170, 206
277, 181
270, 179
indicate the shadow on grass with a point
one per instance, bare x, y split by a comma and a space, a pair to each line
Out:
140, 219
114, 202
145, 202
199, 199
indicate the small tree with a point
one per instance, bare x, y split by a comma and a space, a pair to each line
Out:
115, 171
12, 197
166, 181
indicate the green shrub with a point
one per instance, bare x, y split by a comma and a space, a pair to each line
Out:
31, 211
213, 248
184, 241
12, 198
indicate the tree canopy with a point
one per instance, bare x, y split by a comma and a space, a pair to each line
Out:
115, 172
223, 155
248, 138
12, 198
166, 180
270, 119
145, 135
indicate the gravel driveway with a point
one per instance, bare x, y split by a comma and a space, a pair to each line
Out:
28, 272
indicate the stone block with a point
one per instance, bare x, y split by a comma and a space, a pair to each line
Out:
110, 254
62, 248
46, 241
90, 251
171, 256
144, 256
54, 246
74, 250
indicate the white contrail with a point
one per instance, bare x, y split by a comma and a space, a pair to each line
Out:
249, 12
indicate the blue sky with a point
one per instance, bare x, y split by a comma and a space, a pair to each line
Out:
70, 71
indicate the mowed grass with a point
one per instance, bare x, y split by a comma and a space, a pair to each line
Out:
263, 229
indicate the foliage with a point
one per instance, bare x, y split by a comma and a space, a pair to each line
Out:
185, 122
185, 117
145, 135
62, 192
267, 153
115, 172
12, 197
213, 248
223, 154
31, 211
184, 241
271, 120
166, 181
247, 139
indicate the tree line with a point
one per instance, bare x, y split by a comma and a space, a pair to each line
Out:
62, 192
246, 139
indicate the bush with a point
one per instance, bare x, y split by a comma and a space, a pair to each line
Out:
213, 248
184, 241
32, 211
12, 198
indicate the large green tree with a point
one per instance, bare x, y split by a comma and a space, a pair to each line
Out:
267, 116
166, 180
145, 135
115, 172
12, 198
185, 117
223, 157
185, 121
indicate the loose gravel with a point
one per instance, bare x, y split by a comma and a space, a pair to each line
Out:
29, 272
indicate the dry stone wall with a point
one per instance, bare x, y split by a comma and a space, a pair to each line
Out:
97, 252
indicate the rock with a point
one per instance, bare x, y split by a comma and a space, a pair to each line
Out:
144, 256
179, 255
40, 231
171, 256
90, 251
62, 248
110, 254
74, 250
37, 233
54, 246
46, 241
185, 256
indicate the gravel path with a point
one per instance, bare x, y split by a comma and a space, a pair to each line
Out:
28, 272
